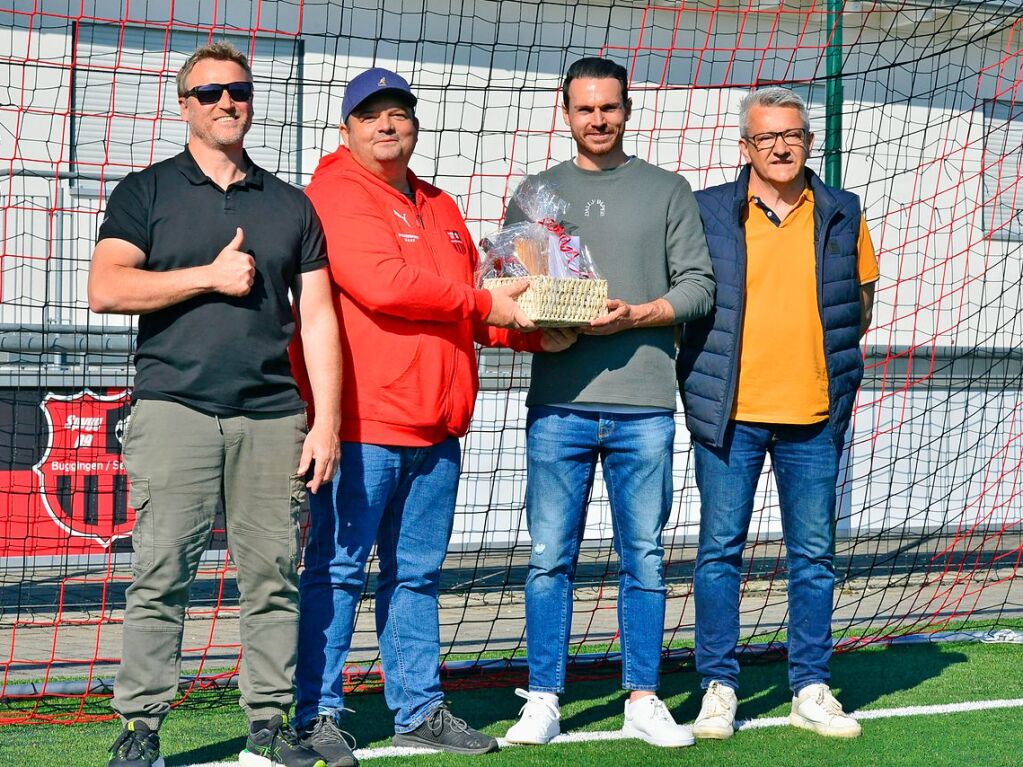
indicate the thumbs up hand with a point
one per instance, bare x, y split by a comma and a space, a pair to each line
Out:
233, 270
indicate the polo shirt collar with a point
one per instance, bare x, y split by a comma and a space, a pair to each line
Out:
805, 196
190, 170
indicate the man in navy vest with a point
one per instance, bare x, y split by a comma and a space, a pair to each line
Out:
774, 370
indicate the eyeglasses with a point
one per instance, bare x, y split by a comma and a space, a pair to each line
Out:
793, 137
210, 93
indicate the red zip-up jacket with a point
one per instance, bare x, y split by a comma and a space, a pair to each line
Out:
406, 305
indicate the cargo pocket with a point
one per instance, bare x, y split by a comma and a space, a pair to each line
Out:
142, 541
298, 499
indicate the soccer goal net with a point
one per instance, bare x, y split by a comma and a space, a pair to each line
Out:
916, 106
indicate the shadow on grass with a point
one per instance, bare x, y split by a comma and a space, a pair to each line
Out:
222, 751
860, 678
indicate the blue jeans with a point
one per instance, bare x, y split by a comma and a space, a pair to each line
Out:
404, 499
805, 464
562, 451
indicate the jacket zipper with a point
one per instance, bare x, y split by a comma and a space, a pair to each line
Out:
820, 246
733, 379
452, 353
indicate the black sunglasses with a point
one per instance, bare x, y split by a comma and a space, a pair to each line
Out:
211, 92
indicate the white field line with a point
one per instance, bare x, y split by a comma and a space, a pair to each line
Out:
745, 724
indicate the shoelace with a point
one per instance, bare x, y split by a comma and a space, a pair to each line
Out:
327, 729
829, 703
287, 734
536, 701
130, 745
661, 711
442, 715
714, 704
281, 730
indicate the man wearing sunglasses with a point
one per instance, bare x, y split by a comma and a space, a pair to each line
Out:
774, 370
206, 247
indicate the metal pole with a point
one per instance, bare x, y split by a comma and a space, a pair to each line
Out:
834, 98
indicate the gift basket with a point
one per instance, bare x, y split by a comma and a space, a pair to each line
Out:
564, 287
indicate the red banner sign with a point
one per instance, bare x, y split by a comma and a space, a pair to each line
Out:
74, 498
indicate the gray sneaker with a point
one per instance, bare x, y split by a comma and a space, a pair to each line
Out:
323, 736
275, 744
443, 731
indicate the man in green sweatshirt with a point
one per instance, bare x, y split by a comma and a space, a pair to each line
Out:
610, 397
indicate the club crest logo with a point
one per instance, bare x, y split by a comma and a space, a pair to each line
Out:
457, 242
82, 480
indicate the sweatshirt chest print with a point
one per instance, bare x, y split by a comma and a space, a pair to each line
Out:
405, 236
595, 208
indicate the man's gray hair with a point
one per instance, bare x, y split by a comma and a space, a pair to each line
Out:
772, 96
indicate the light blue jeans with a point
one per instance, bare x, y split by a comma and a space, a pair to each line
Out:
404, 499
805, 462
635, 451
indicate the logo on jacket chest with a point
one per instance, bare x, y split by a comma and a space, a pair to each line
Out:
457, 242
405, 236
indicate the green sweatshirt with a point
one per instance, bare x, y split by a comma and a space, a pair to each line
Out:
643, 230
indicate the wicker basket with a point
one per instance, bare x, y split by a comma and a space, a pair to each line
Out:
556, 302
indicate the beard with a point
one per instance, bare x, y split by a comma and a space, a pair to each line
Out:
598, 148
219, 136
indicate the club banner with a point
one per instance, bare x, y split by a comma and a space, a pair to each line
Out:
65, 489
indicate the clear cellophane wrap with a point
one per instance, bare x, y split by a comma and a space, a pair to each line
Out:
565, 288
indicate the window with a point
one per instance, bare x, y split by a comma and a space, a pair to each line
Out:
1002, 166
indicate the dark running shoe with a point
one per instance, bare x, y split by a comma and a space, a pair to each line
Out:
444, 731
276, 745
323, 736
136, 746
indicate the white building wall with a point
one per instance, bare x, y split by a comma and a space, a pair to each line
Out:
487, 75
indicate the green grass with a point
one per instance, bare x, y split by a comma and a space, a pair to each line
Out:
866, 679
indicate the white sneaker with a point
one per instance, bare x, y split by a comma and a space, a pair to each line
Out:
539, 719
649, 719
816, 709
717, 714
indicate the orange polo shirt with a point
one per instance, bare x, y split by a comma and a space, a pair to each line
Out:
783, 377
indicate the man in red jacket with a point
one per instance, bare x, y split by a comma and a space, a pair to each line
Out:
404, 264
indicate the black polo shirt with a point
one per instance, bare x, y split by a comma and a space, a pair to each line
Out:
214, 353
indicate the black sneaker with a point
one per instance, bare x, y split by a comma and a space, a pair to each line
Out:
136, 746
444, 731
323, 736
276, 744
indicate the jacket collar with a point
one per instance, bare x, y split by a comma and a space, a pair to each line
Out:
349, 163
190, 169
824, 201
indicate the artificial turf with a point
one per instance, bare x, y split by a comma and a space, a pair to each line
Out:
867, 679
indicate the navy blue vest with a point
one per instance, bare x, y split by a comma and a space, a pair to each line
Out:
708, 361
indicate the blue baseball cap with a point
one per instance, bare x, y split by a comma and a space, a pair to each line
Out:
370, 83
